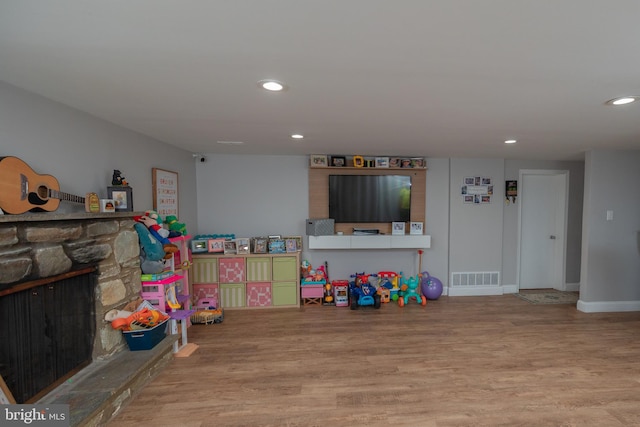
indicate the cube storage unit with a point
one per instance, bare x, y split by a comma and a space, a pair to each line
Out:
247, 281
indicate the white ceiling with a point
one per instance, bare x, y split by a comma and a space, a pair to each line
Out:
436, 78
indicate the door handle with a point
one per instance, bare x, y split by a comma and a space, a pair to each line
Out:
552, 237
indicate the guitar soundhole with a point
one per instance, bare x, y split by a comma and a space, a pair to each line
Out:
40, 197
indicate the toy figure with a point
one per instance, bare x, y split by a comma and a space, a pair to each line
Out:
157, 232
362, 292
179, 228
408, 291
118, 179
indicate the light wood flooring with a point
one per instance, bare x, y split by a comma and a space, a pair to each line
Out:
459, 361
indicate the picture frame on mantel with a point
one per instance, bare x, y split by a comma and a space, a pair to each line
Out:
122, 197
165, 192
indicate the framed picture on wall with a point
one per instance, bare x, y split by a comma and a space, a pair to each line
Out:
165, 192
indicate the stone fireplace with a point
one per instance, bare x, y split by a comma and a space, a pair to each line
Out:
38, 247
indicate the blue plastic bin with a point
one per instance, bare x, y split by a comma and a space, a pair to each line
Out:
146, 339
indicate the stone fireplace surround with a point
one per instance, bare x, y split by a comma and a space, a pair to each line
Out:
35, 246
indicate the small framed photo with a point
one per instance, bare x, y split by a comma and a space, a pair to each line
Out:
468, 199
415, 228
216, 245
230, 247
260, 245
417, 162
405, 163
318, 161
382, 162
469, 180
243, 246
107, 205
394, 162
291, 245
122, 197
397, 228
338, 161
276, 246
358, 161
298, 240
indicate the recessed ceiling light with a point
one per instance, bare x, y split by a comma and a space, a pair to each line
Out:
623, 100
231, 142
272, 85
297, 136
510, 141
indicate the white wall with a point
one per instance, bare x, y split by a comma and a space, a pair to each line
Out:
610, 274
476, 229
82, 151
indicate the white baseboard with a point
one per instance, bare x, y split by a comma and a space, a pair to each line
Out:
607, 306
468, 291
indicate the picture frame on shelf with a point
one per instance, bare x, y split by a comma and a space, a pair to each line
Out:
338, 161
277, 246
397, 228
230, 247
291, 245
415, 227
216, 245
260, 245
243, 246
122, 197
318, 160
405, 163
358, 161
298, 240
394, 162
417, 162
382, 162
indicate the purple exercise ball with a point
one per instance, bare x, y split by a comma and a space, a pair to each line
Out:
431, 286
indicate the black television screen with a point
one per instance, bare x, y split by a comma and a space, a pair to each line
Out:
369, 198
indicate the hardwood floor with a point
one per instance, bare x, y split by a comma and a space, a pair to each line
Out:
459, 361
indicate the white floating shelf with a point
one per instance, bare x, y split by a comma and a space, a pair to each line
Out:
370, 242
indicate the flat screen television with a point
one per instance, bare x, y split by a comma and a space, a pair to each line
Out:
369, 198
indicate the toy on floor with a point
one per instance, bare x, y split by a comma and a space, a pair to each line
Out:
388, 286
409, 291
363, 293
340, 292
431, 286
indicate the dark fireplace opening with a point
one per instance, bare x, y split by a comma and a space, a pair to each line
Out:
47, 331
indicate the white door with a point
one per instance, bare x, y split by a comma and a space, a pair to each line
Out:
543, 199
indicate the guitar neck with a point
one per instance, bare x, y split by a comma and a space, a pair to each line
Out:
65, 196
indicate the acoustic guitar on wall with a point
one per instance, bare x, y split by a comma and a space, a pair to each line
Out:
22, 190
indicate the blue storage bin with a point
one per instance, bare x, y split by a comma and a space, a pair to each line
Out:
146, 339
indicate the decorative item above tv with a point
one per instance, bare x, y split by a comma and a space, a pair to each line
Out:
358, 161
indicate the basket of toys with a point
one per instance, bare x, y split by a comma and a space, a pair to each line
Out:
207, 317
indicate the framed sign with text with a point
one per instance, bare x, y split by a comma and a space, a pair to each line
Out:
165, 192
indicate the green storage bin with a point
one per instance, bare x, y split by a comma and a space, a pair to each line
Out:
285, 293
